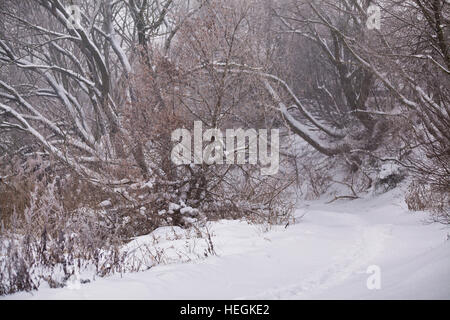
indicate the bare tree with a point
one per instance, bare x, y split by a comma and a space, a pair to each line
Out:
67, 86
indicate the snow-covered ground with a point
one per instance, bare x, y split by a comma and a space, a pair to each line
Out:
324, 255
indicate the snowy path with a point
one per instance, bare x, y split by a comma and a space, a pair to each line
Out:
324, 256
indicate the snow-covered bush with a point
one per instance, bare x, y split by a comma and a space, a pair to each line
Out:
389, 177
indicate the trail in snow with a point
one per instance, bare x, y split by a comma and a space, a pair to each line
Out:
352, 259
325, 255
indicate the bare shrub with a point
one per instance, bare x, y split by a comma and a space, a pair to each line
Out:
422, 196
48, 244
184, 86
16, 184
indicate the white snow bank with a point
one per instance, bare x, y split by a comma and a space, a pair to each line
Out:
324, 256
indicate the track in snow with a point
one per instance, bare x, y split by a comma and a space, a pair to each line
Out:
324, 256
